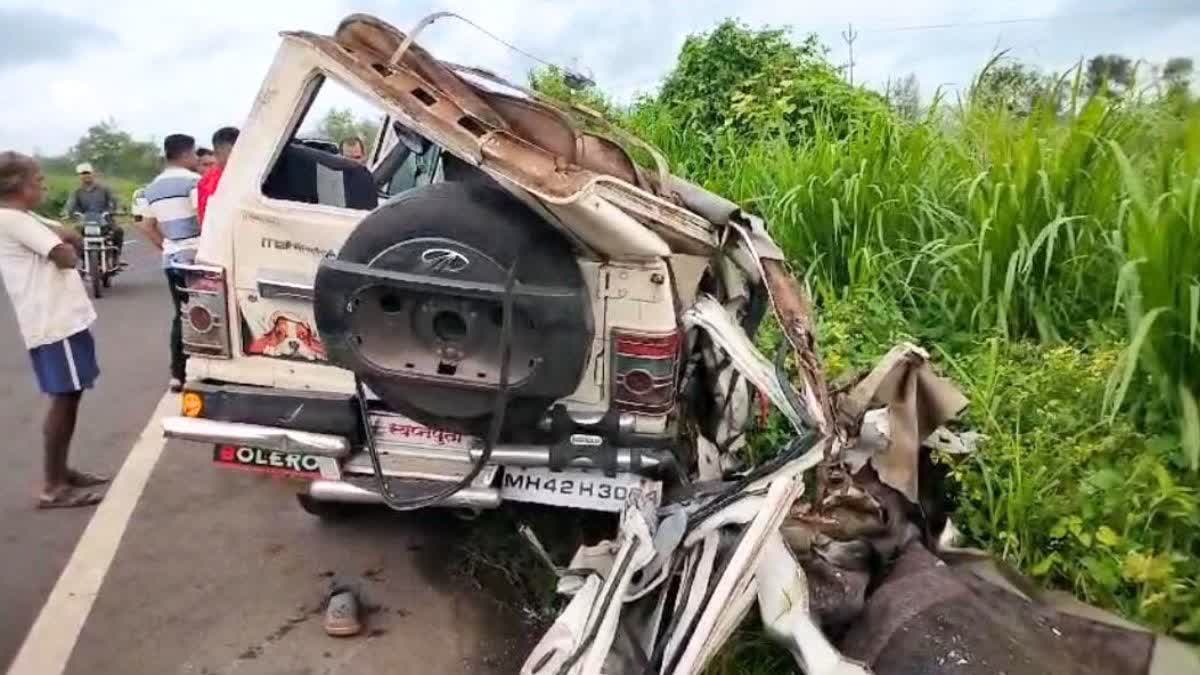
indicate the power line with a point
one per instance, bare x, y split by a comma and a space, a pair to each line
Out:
940, 26
1015, 20
570, 73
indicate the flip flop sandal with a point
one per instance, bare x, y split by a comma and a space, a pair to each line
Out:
68, 499
341, 616
82, 479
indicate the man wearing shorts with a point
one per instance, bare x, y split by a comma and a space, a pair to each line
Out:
37, 262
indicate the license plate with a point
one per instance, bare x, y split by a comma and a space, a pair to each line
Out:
393, 428
576, 488
92, 230
289, 464
409, 449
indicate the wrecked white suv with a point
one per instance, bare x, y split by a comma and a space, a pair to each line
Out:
501, 305
504, 305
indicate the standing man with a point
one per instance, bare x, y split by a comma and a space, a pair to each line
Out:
353, 148
137, 204
223, 141
170, 223
206, 160
37, 262
94, 199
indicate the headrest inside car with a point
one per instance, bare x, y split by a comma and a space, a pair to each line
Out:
312, 176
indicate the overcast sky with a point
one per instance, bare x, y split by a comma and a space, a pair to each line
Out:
161, 67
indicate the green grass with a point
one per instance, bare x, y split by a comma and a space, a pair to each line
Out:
1102, 508
982, 222
1051, 264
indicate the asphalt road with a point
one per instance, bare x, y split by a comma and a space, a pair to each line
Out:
131, 338
216, 572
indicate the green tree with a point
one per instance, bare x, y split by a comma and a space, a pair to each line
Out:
341, 124
1111, 73
1177, 73
904, 95
756, 82
1017, 87
114, 152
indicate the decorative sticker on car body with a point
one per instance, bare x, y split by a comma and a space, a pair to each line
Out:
287, 335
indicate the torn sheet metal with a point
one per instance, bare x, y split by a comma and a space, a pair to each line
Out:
785, 486
711, 317
793, 311
844, 580
580, 640
732, 397
917, 400
693, 590
784, 606
944, 440
538, 145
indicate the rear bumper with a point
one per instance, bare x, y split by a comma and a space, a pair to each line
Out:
256, 436
327, 489
329, 413
341, 491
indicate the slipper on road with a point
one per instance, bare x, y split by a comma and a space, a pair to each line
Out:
341, 616
83, 479
68, 499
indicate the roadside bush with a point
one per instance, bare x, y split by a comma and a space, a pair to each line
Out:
1101, 509
749, 83
982, 220
1010, 241
1105, 510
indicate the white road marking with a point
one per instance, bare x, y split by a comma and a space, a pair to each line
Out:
48, 646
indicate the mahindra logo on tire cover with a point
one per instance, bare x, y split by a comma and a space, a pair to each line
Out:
444, 260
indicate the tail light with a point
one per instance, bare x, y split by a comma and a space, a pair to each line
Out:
205, 311
644, 367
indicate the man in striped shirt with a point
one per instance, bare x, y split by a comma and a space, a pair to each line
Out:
171, 224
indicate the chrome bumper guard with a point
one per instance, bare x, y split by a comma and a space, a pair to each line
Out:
255, 436
340, 491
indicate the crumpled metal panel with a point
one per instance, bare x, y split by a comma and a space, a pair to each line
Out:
529, 143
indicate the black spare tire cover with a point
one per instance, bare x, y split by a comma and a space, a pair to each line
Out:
434, 355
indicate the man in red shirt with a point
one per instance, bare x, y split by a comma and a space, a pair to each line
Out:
223, 141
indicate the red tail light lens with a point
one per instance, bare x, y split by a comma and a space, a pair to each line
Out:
200, 319
644, 369
205, 308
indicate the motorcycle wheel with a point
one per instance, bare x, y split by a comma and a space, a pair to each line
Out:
93, 266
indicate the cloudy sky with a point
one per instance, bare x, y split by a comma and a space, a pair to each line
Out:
160, 67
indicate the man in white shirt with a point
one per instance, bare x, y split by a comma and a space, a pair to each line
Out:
138, 207
171, 224
37, 261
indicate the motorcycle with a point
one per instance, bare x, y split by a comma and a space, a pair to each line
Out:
100, 261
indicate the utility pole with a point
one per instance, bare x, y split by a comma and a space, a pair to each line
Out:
849, 36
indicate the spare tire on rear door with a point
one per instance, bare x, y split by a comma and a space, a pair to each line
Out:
413, 305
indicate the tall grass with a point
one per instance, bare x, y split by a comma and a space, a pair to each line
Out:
1050, 257
980, 220
1161, 232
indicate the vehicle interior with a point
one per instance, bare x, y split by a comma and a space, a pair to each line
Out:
311, 169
